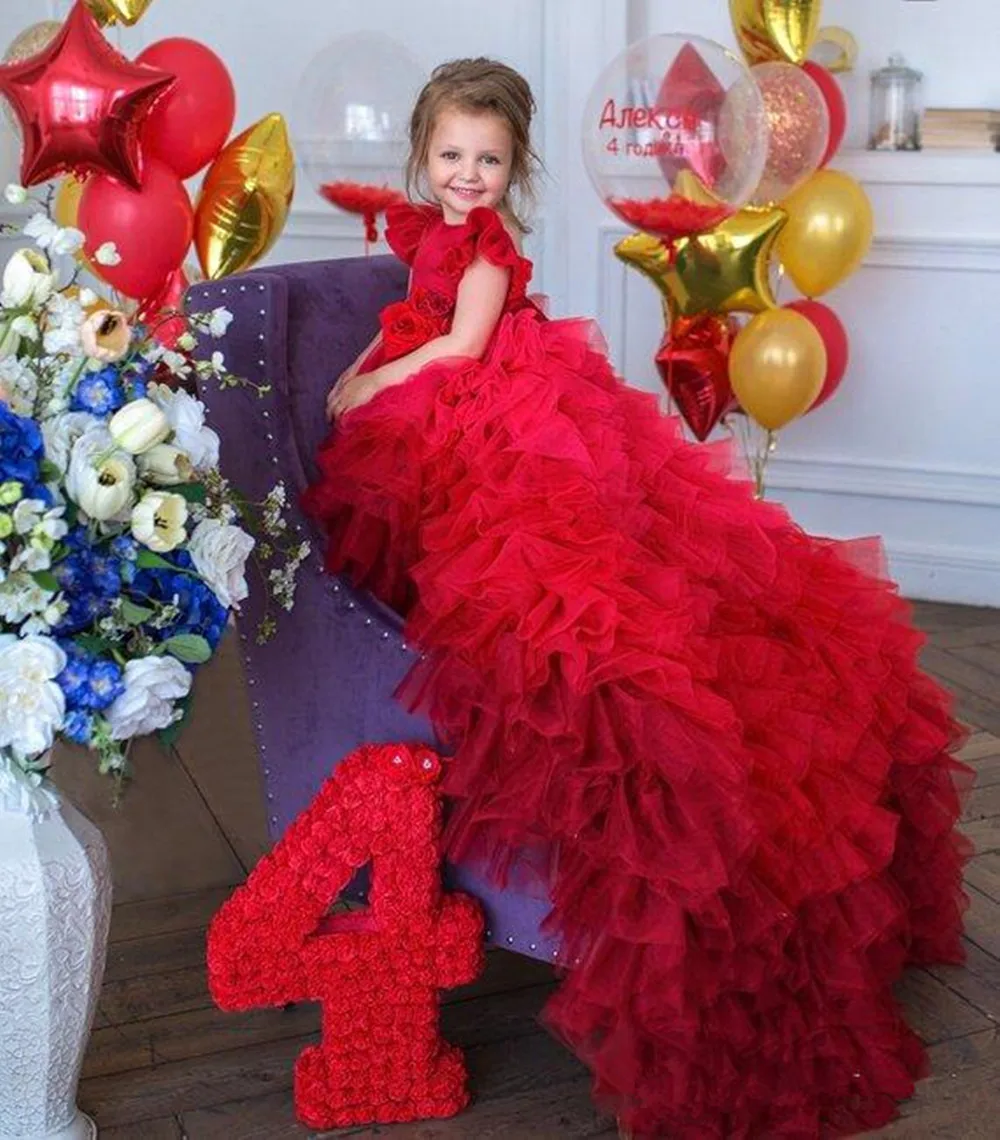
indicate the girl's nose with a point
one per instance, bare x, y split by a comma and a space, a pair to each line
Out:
469, 170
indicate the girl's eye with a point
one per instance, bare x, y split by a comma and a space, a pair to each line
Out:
450, 155
491, 159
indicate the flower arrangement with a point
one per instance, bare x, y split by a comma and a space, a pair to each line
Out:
123, 550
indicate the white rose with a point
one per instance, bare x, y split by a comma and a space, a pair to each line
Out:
100, 477
62, 431
31, 703
21, 384
64, 315
187, 419
220, 553
164, 465
138, 426
152, 684
158, 520
27, 280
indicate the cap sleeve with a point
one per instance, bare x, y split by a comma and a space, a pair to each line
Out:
490, 239
406, 224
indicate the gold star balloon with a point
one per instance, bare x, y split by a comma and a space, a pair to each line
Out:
244, 199
775, 29
726, 270
118, 11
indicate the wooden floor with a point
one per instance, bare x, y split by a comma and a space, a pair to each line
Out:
163, 1064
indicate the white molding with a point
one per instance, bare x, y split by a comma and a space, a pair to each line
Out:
921, 168
940, 573
844, 475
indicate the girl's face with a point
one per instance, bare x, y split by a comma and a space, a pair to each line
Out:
468, 162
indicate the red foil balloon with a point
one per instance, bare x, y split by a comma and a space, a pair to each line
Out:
836, 105
691, 94
693, 362
155, 311
830, 327
189, 126
151, 227
81, 105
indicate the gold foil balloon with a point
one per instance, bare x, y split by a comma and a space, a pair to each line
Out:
836, 49
777, 366
726, 270
244, 199
118, 11
23, 46
775, 29
829, 231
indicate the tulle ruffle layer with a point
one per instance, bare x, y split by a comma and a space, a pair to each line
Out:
705, 731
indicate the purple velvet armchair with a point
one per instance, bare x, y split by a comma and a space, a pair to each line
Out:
323, 685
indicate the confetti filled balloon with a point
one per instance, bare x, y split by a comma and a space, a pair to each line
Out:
244, 199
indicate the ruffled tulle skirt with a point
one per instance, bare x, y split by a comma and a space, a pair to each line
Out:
704, 729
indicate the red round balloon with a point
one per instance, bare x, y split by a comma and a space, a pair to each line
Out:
836, 105
151, 227
189, 126
830, 327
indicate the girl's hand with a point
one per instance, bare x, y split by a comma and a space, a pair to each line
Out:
352, 392
345, 377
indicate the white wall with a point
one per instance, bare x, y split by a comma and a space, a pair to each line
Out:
909, 447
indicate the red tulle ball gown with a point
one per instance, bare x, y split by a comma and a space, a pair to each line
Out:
708, 727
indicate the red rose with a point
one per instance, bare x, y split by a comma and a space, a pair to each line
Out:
404, 329
457, 260
430, 303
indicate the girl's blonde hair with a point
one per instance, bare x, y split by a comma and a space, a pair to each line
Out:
479, 87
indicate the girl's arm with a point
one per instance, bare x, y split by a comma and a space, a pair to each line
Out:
481, 295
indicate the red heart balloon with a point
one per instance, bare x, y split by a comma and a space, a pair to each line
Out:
693, 362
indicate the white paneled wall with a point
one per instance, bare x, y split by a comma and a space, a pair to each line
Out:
909, 448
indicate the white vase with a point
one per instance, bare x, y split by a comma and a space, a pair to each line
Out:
55, 906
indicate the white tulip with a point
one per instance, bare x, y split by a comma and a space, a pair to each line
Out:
164, 465
100, 478
138, 426
27, 280
158, 520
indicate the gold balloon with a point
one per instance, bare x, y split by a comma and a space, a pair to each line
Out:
118, 11
775, 29
244, 199
726, 270
829, 231
777, 366
842, 53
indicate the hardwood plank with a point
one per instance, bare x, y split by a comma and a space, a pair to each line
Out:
531, 1089
984, 834
140, 957
983, 802
167, 915
987, 771
983, 872
166, 1128
162, 839
979, 746
974, 688
984, 633
219, 752
940, 616
936, 1011
982, 922
977, 981
158, 995
985, 657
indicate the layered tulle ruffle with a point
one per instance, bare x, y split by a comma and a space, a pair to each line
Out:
705, 730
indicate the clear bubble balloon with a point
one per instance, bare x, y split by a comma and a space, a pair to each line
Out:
651, 135
350, 121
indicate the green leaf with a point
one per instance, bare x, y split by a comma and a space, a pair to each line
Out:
92, 643
46, 579
150, 561
190, 648
193, 492
135, 614
167, 736
50, 472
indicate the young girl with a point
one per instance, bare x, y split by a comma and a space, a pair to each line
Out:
705, 729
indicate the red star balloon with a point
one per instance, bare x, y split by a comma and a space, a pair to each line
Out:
81, 105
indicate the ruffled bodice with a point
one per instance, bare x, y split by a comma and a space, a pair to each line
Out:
440, 254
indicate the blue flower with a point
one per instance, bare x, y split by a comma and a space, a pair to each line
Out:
105, 576
75, 677
21, 449
99, 393
83, 611
200, 610
104, 685
78, 727
125, 547
73, 572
